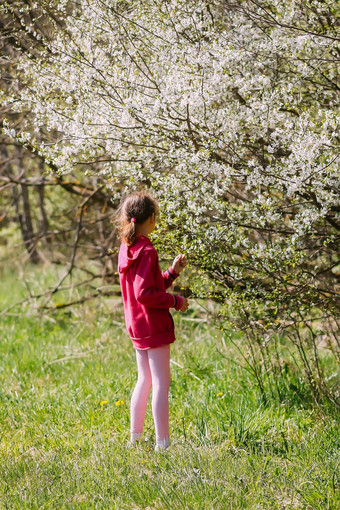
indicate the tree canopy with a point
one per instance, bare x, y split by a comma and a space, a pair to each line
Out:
228, 111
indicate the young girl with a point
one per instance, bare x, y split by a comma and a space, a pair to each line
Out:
146, 308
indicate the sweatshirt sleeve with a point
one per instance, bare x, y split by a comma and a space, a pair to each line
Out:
169, 276
144, 283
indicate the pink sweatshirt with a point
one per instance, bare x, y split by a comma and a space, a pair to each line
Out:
146, 302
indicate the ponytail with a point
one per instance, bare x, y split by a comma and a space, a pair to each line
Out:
129, 232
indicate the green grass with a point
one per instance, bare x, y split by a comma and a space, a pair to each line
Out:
61, 448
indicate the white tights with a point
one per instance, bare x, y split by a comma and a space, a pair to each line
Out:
153, 371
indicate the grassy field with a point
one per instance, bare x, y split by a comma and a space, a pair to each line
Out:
65, 384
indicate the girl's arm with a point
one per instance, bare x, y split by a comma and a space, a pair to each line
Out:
172, 273
144, 284
169, 276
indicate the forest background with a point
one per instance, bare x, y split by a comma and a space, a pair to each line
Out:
228, 111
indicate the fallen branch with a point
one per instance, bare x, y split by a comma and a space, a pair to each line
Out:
80, 300
76, 355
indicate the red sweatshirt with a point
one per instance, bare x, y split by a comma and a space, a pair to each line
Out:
146, 302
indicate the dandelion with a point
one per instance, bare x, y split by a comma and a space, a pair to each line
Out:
103, 402
220, 394
120, 403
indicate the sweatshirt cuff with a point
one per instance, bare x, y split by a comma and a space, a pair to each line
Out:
178, 302
172, 273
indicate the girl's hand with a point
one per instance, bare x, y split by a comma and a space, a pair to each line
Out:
185, 305
179, 263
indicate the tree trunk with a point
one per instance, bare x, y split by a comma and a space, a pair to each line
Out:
41, 196
25, 219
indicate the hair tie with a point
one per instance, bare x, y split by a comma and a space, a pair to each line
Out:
133, 220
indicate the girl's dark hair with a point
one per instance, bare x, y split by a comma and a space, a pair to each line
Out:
139, 205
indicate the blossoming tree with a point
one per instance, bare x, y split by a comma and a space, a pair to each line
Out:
227, 110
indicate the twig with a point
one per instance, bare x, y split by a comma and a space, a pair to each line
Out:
183, 368
76, 241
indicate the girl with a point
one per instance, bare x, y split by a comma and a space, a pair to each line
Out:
146, 309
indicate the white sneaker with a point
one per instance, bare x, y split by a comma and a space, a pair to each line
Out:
162, 444
134, 439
